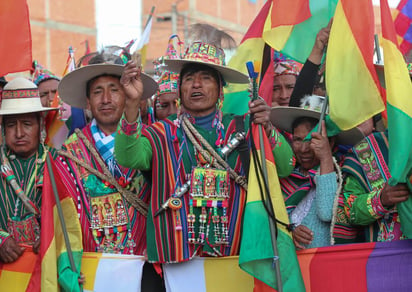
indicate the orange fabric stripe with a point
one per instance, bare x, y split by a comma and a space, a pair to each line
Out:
25, 263
284, 13
359, 15
15, 45
305, 257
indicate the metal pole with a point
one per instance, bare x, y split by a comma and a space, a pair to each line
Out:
60, 213
276, 264
174, 18
378, 50
322, 114
150, 16
272, 226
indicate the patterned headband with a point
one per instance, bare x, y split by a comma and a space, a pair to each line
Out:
287, 67
205, 52
167, 83
20, 93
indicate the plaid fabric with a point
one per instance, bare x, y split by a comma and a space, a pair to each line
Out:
105, 146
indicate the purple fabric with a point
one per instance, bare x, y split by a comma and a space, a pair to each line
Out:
389, 267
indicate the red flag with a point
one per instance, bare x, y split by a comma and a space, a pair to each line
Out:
15, 45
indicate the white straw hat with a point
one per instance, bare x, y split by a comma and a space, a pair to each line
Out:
21, 96
72, 88
282, 117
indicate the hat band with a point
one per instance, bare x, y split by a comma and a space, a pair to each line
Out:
206, 53
20, 93
167, 87
204, 58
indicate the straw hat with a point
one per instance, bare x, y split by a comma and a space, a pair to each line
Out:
21, 96
72, 88
282, 117
210, 55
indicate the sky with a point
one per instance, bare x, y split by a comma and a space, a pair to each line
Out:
392, 3
119, 21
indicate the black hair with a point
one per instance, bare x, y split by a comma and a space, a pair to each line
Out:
301, 120
194, 67
88, 84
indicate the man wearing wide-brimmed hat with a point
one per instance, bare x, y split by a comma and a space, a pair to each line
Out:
23, 157
198, 193
111, 209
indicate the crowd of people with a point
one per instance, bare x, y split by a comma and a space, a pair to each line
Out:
143, 159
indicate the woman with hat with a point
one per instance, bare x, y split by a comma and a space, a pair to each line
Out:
198, 193
310, 191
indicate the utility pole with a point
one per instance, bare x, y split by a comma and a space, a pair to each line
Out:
174, 18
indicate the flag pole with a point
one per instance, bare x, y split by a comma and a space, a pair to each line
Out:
378, 50
150, 17
60, 213
275, 262
323, 113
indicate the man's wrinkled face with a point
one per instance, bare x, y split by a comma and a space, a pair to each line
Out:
22, 133
199, 91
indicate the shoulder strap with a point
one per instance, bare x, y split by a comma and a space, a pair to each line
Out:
136, 202
243, 146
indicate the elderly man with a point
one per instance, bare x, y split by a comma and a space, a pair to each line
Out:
198, 194
24, 156
23, 166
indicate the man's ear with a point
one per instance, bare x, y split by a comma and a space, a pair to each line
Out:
88, 104
332, 141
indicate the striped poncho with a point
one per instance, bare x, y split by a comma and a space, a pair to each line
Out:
158, 149
137, 221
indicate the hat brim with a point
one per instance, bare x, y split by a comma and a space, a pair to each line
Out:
282, 118
72, 87
229, 75
26, 111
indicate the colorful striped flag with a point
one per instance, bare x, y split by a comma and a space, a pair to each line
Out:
372, 267
403, 25
53, 252
250, 49
15, 45
207, 274
291, 27
351, 79
17, 275
256, 251
399, 110
112, 272
287, 27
